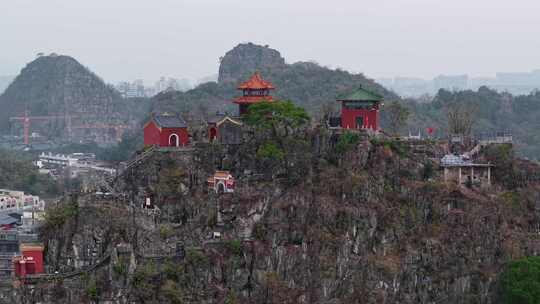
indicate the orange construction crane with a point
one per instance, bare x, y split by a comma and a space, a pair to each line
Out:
26, 121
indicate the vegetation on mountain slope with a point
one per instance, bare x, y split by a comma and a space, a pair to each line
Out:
315, 88
306, 83
58, 86
491, 112
18, 173
521, 281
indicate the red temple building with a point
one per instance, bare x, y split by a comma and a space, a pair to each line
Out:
254, 90
166, 130
360, 110
30, 261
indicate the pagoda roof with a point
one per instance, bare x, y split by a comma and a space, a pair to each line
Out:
219, 118
252, 99
31, 246
361, 94
168, 120
256, 83
222, 174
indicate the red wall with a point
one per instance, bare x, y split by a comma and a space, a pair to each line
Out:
38, 258
19, 270
181, 132
348, 118
153, 136
212, 133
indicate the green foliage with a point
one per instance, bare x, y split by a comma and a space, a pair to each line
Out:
18, 173
92, 290
143, 281
166, 231
503, 152
120, 269
170, 179
428, 171
271, 115
56, 217
172, 270
397, 115
234, 246
493, 112
131, 142
172, 292
231, 298
503, 157
259, 231
196, 258
513, 200
521, 281
270, 151
395, 146
346, 142
279, 124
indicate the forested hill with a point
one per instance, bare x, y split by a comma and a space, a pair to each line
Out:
306, 83
313, 86
56, 85
491, 111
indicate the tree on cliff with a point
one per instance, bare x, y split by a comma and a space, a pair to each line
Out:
282, 118
521, 281
278, 126
397, 116
461, 118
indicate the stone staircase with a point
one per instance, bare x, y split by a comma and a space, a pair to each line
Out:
139, 158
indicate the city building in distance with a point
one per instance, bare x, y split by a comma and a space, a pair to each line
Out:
138, 89
514, 83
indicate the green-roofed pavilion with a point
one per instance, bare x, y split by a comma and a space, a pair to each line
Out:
360, 109
360, 94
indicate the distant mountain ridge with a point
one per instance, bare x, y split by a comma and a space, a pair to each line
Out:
59, 85
305, 83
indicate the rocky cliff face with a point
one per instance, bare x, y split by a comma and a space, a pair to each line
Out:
375, 225
60, 86
247, 58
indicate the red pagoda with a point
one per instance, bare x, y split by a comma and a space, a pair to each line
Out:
254, 90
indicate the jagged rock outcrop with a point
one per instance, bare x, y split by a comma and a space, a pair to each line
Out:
246, 58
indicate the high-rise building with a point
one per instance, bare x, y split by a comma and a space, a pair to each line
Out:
132, 89
164, 84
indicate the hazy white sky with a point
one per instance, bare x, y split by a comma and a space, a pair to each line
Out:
130, 39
